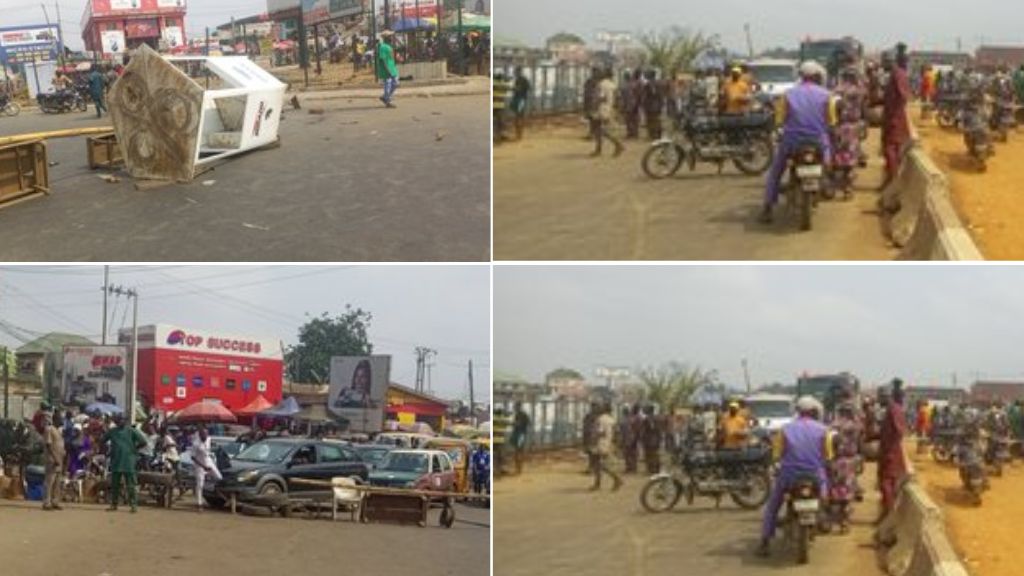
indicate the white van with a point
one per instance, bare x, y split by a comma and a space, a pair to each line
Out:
771, 411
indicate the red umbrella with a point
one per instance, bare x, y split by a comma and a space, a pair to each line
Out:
255, 407
205, 412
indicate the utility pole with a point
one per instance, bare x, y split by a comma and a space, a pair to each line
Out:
133, 390
60, 34
60, 55
472, 403
750, 41
106, 292
422, 368
7, 390
746, 374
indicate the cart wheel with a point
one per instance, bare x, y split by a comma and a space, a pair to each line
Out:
447, 516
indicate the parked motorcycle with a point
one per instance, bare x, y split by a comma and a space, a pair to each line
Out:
801, 520
741, 474
8, 106
61, 102
972, 469
807, 179
997, 453
977, 138
1003, 119
745, 140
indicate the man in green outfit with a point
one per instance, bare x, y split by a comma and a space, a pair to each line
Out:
386, 68
125, 442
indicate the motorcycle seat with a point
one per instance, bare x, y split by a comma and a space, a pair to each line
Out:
731, 122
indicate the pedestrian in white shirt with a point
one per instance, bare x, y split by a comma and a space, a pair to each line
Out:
204, 463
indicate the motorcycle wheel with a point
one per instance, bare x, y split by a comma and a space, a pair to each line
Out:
663, 161
12, 109
945, 121
660, 495
758, 160
760, 488
806, 200
803, 543
940, 455
997, 469
82, 106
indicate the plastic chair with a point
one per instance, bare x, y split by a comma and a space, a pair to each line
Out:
346, 494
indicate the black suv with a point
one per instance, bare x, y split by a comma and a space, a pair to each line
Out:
272, 466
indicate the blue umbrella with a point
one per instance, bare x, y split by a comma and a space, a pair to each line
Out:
406, 24
103, 408
285, 408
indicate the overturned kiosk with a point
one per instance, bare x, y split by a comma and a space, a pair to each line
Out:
172, 128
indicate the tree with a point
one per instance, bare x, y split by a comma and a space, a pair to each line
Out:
325, 336
675, 49
671, 385
565, 38
563, 374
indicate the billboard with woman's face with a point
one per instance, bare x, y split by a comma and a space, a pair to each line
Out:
358, 388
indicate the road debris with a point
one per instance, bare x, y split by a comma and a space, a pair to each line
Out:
255, 227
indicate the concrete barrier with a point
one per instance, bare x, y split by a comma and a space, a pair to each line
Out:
423, 71
913, 535
918, 212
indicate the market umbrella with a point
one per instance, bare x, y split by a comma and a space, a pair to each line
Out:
205, 412
407, 24
255, 407
103, 408
283, 409
470, 21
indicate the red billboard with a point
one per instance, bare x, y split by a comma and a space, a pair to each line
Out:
129, 7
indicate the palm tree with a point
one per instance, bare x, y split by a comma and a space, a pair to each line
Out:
671, 385
674, 49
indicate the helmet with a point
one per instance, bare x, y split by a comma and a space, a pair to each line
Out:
808, 404
810, 69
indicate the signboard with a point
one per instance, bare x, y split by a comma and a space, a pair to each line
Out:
282, 5
316, 11
142, 28
357, 391
169, 337
174, 36
28, 44
95, 374
128, 7
113, 41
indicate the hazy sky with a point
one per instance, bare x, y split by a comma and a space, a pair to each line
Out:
878, 23
920, 322
442, 307
201, 13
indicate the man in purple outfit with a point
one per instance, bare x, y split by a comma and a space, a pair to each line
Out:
804, 451
805, 113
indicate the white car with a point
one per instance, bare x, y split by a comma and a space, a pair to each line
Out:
773, 77
771, 411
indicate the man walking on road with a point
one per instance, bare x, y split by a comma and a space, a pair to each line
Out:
125, 441
891, 465
54, 455
205, 463
605, 109
386, 67
97, 87
605, 432
520, 98
520, 429
895, 126
590, 436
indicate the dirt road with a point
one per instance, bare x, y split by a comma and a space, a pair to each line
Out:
987, 537
547, 522
553, 202
989, 203
88, 541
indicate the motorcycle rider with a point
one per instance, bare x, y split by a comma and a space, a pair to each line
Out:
804, 448
737, 94
806, 113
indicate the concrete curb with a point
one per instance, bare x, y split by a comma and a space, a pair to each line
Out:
363, 95
914, 535
918, 212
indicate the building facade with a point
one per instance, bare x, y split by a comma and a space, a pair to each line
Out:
112, 27
179, 367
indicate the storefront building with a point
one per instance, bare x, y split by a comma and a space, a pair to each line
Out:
180, 366
112, 27
407, 406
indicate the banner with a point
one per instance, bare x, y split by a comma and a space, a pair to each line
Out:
358, 389
29, 44
113, 41
170, 3
142, 28
125, 4
316, 11
95, 374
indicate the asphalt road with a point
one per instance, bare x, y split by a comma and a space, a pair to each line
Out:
553, 202
357, 183
86, 540
548, 522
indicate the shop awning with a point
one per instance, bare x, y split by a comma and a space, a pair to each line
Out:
205, 412
255, 407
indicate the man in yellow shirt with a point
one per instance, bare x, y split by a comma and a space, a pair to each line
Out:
737, 93
735, 428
